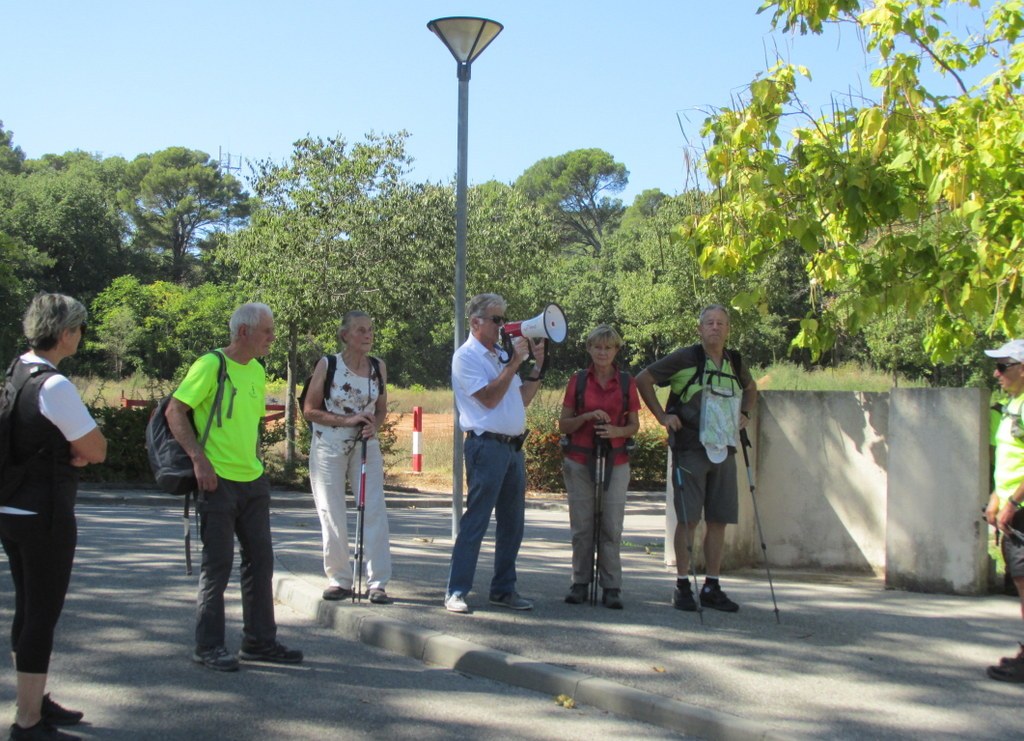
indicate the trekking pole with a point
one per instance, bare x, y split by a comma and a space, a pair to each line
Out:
357, 593
677, 475
745, 443
600, 460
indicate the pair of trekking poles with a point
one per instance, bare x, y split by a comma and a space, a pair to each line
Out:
601, 447
678, 481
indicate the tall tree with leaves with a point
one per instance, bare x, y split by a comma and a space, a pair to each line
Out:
910, 203
575, 190
11, 156
176, 197
304, 251
69, 218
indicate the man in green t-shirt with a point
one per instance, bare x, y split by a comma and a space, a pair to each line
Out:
1006, 505
234, 494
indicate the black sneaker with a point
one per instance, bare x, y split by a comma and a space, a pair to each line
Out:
56, 715
612, 599
577, 594
275, 653
1018, 659
715, 598
216, 658
41, 731
1008, 672
334, 593
683, 600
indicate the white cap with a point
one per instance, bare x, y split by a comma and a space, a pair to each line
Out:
1014, 350
716, 453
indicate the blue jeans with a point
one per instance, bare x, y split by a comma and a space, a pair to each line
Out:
496, 475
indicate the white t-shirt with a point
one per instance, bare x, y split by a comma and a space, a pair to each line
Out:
60, 403
473, 367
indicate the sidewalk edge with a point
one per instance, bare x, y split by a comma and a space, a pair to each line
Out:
441, 649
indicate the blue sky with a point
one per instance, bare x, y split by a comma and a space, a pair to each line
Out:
122, 78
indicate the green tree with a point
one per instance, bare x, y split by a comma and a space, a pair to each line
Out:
573, 190
69, 218
20, 268
163, 326
11, 156
177, 197
118, 337
911, 203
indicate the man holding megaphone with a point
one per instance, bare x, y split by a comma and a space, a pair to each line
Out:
492, 400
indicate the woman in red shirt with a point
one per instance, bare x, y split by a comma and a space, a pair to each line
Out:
605, 416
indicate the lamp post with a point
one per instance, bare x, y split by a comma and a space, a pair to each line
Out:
466, 39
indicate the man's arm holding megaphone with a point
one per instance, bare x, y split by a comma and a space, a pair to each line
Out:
532, 382
492, 394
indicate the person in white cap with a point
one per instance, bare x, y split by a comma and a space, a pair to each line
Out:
1005, 509
712, 397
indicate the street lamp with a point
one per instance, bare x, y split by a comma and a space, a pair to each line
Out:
466, 39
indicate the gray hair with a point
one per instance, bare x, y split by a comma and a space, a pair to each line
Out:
48, 316
346, 321
248, 315
603, 333
483, 301
714, 307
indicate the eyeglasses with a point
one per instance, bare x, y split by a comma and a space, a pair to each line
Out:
497, 319
82, 328
1001, 367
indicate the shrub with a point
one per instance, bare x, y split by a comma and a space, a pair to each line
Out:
125, 430
542, 449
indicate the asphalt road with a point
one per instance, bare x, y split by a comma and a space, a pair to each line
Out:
123, 651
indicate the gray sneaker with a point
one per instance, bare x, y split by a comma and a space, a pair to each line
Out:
456, 603
512, 601
216, 658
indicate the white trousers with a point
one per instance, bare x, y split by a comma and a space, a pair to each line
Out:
333, 458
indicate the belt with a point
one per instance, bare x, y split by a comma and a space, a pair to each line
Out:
513, 440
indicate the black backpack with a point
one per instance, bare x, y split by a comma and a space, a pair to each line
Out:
172, 468
332, 365
19, 376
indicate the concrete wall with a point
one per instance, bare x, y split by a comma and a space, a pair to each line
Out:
822, 485
867, 482
938, 483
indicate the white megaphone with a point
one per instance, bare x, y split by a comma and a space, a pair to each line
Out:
550, 324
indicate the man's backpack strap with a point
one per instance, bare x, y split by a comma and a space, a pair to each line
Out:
218, 398
735, 362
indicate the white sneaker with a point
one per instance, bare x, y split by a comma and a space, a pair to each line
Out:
455, 603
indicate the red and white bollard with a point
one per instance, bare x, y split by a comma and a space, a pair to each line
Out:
417, 432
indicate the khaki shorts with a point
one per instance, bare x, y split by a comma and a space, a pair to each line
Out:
1013, 550
707, 488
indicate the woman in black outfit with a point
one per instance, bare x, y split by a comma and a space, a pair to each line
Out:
52, 436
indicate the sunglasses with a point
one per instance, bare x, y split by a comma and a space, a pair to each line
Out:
1001, 367
82, 327
497, 319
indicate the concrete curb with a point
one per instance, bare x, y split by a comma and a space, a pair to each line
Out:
441, 649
